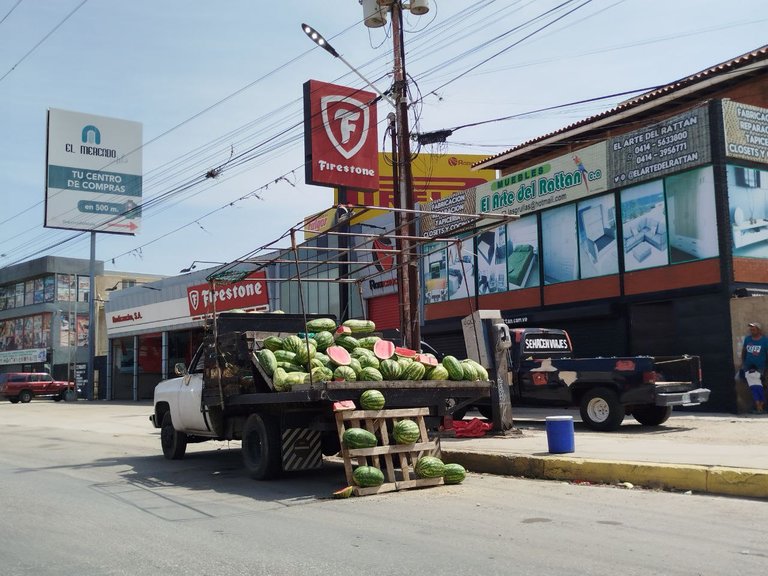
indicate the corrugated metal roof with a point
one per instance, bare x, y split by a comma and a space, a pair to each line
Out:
732, 66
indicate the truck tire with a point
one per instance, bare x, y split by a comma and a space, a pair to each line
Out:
25, 396
262, 455
601, 410
652, 415
14, 400
174, 443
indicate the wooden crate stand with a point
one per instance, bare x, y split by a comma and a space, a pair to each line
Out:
399, 459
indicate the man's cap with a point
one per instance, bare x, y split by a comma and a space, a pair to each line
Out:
756, 325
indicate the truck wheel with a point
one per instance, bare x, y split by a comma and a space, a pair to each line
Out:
601, 410
58, 397
485, 411
14, 400
25, 396
652, 415
174, 443
262, 447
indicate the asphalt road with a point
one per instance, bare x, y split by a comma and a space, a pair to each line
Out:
84, 490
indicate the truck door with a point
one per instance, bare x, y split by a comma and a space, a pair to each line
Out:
190, 396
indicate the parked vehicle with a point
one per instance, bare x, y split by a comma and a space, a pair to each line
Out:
23, 386
226, 394
541, 369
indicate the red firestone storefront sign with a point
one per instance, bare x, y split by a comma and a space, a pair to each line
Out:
340, 136
249, 293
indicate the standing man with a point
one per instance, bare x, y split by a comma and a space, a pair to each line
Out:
754, 353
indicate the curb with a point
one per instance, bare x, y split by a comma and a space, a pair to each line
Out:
720, 480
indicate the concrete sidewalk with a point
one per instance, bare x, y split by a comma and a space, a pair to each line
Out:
701, 452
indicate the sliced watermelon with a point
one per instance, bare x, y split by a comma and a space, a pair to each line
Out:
341, 330
338, 355
406, 353
427, 360
384, 349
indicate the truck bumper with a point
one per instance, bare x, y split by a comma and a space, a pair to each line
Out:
689, 398
152, 419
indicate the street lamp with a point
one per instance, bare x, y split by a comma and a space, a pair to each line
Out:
318, 39
195, 263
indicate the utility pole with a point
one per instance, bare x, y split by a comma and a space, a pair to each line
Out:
409, 290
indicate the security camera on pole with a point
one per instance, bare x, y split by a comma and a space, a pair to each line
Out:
374, 13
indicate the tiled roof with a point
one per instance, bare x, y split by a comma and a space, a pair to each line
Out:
731, 66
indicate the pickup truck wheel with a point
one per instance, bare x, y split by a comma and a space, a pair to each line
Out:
485, 411
262, 447
25, 396
174, 443
652, 415
13, 400
601, 410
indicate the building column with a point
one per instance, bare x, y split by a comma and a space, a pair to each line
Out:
108, 383
135, 368
164, 354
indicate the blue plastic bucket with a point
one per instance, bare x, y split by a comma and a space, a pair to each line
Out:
560, 434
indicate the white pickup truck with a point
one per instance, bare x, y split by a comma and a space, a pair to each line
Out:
225, 395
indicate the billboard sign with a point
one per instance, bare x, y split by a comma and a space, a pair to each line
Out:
249, 293
672, 145
746, 131
94, 173
563, 179
340, 136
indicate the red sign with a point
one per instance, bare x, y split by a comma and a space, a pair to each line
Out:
340, 136
248, 293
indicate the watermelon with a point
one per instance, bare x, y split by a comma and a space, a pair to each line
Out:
354, 363
406, 432
368, 476
429, 467
454, 474
437, 373
454, 367
315, 363
306, 352
369, 362
358, 438
414, 371
370, 375
348, 342
323, 339
482, 373
273, 343
285, 356
322, 358
267, 360
372, 400
344, 373
384, 349
428, 360
368, 342
293, 343
390, 370
404, 362
360, 326
322, 374
344, 492
342, 330
338, 356
290, 367
406, 353
469, 371
280, 380
321, 324
361, 352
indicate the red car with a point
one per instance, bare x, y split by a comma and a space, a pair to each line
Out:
23, 386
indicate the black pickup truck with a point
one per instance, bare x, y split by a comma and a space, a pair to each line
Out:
541, 370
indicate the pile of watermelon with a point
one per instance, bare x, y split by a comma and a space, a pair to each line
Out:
350, 352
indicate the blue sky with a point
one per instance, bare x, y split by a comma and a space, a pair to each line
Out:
210, 80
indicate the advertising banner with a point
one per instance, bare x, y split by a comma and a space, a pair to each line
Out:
672, 145
382, 263
248, 293
33, 355
94, 173
433, 225
562, 179
746, 131
340, 136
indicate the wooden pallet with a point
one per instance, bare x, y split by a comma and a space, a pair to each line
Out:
398, 459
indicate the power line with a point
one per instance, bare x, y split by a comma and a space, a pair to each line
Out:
11, 10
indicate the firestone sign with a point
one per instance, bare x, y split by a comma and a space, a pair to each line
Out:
249, 293
340, 136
